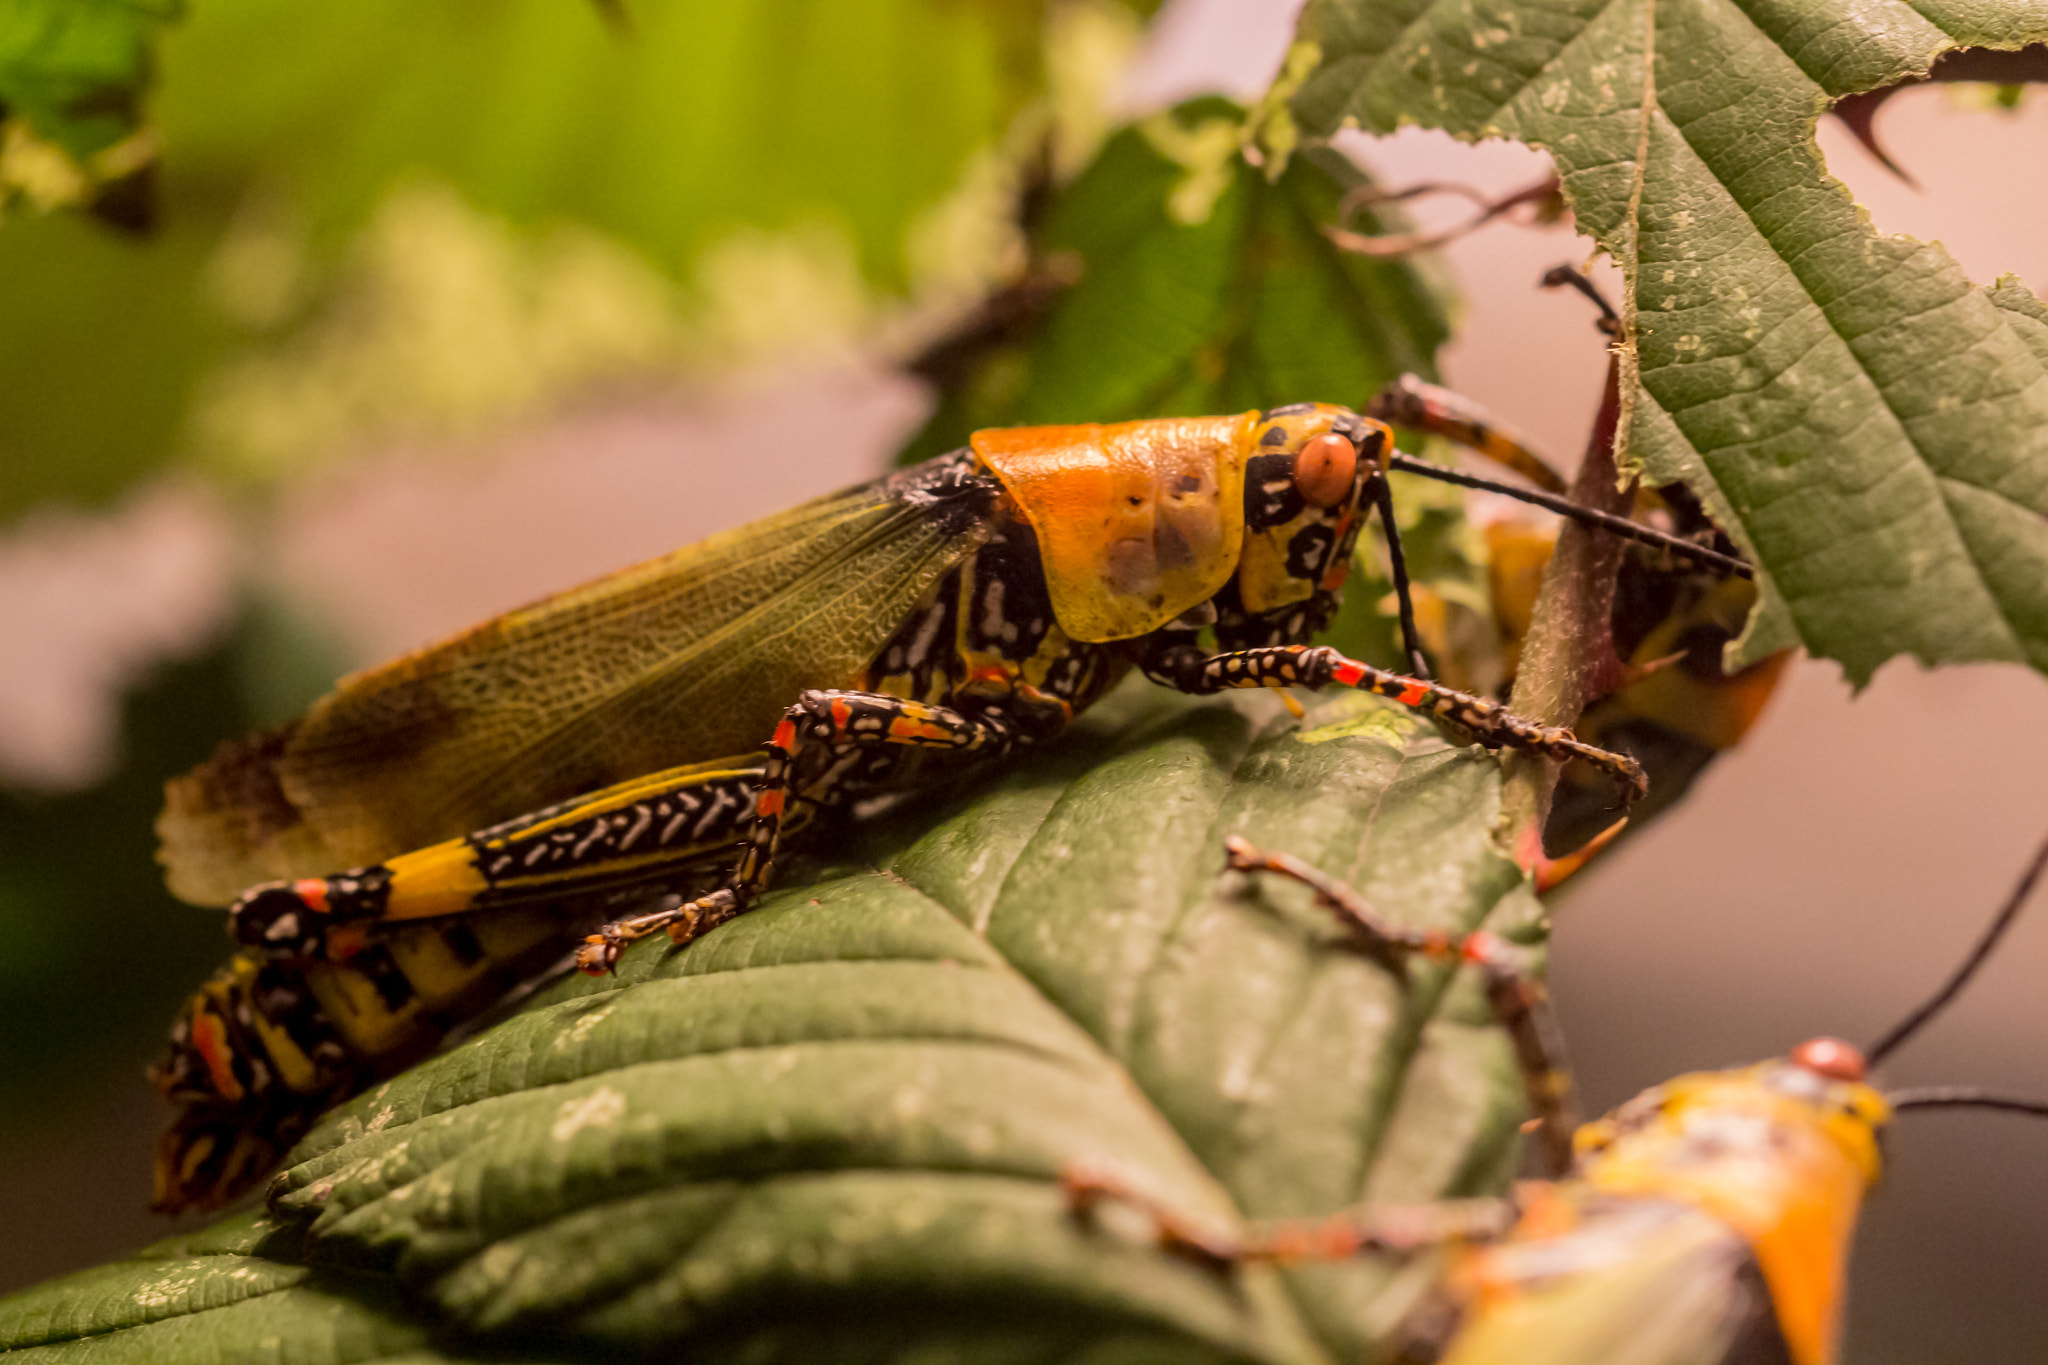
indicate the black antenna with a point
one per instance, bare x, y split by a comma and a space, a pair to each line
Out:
1571, 277
1625, 528
1963, 1097
1606, 521
1397, 569
1935, 1003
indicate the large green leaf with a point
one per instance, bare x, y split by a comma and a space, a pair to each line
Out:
833, 1128
1203, 287
1867, 422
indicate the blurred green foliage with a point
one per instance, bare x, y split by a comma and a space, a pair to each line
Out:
828, 132
73, 72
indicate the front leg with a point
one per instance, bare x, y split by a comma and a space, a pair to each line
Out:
1399, 1228
838, 721
1517, 999
1487, 723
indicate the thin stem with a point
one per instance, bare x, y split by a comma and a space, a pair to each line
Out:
1935, 1003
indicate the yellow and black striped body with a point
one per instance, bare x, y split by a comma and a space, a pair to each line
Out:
349, 978
266, 1044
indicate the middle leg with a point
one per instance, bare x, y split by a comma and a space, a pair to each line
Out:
842, 722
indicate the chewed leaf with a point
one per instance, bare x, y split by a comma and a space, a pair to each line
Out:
835, 1127
1869, 424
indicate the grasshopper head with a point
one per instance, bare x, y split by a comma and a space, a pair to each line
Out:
1308, 474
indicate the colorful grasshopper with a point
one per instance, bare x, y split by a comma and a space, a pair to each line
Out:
1704, 1222
855, 647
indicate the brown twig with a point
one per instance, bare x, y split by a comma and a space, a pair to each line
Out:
1541, 195
1571, 638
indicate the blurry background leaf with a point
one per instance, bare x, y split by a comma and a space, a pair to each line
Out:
74, 70
105, 341
83, 911
623, 200
73, 78
1870, 425
1198, 286
839, 1121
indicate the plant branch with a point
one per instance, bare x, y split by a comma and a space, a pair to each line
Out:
1570, 649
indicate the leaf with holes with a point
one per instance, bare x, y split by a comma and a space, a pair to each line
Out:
1869, 424
834, 1128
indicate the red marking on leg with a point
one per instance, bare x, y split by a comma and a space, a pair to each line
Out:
842, 714
1035, 694
1350, 673
770, 803
1328, 1241
313, 892
785, 735
1481, 947
345, 941
210, 1039
1414, 694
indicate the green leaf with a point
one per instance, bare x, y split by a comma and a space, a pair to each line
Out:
214, 1296
105, 339
74, 70
697, 118
833, 1129
1872, 427
1203, 288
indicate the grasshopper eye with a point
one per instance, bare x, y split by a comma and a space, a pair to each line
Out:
1830, 1057
1324, 469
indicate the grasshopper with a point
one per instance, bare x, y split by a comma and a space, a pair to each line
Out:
667, 732
1704, 1222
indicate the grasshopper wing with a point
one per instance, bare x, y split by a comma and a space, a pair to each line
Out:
684, 658
1653, 1282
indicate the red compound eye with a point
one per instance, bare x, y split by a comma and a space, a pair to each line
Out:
1830, 1057
1324, 469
